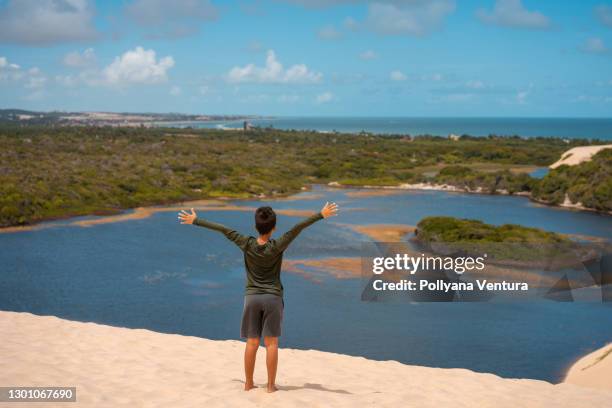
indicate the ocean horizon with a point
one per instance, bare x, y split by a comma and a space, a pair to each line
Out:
571, 128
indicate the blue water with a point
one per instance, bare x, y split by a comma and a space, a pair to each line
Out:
582, 128
539, 173
157, 274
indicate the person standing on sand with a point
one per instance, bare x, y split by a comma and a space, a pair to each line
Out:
263, 300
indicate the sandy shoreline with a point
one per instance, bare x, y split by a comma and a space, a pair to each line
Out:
145, 212
121, 367
224, 204
566, 205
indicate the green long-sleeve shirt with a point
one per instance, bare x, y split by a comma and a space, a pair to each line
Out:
262, 262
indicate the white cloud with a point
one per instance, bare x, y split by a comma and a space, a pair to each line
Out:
175, 90
137, 66
591, 99
324, 97
32, 78
320, 3
88, 76
595, 45
35, 79
329, 33
255, 46
368, 55
604, 14
178, 19
521, 96
416, 17
204, 89
46, 22
397, 76
4, 63
9, 70
512, 13
36, 82
475, 84
36, 95
67, 80
273, 72
153, 12
351, 24
80, 60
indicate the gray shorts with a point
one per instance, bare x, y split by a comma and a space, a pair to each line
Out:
262, 316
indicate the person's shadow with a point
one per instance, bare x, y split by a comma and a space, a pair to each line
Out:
306, 386
310, 386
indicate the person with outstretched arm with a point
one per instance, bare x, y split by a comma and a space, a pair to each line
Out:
262, 314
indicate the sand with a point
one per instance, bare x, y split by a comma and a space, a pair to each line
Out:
578, 155
593, 370
118, 367
383, 232
373, 192
313, 269
139, 213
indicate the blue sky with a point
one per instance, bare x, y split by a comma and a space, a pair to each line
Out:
316, 57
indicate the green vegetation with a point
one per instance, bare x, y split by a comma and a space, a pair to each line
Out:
588, 183
488, 182
450, 229
50, 171
507, 244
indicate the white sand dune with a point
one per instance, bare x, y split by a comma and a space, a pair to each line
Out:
117, 367
593, 370
578, 155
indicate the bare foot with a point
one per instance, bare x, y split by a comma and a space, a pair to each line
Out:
249, 386
271, 388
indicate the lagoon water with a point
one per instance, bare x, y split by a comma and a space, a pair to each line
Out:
156, 274
581, 128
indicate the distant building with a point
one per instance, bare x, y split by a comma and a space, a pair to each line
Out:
246, 126
454, 137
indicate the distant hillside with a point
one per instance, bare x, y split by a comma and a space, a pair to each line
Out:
28, 117
25, 117
588, 184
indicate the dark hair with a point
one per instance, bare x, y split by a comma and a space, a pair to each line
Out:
265, 220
